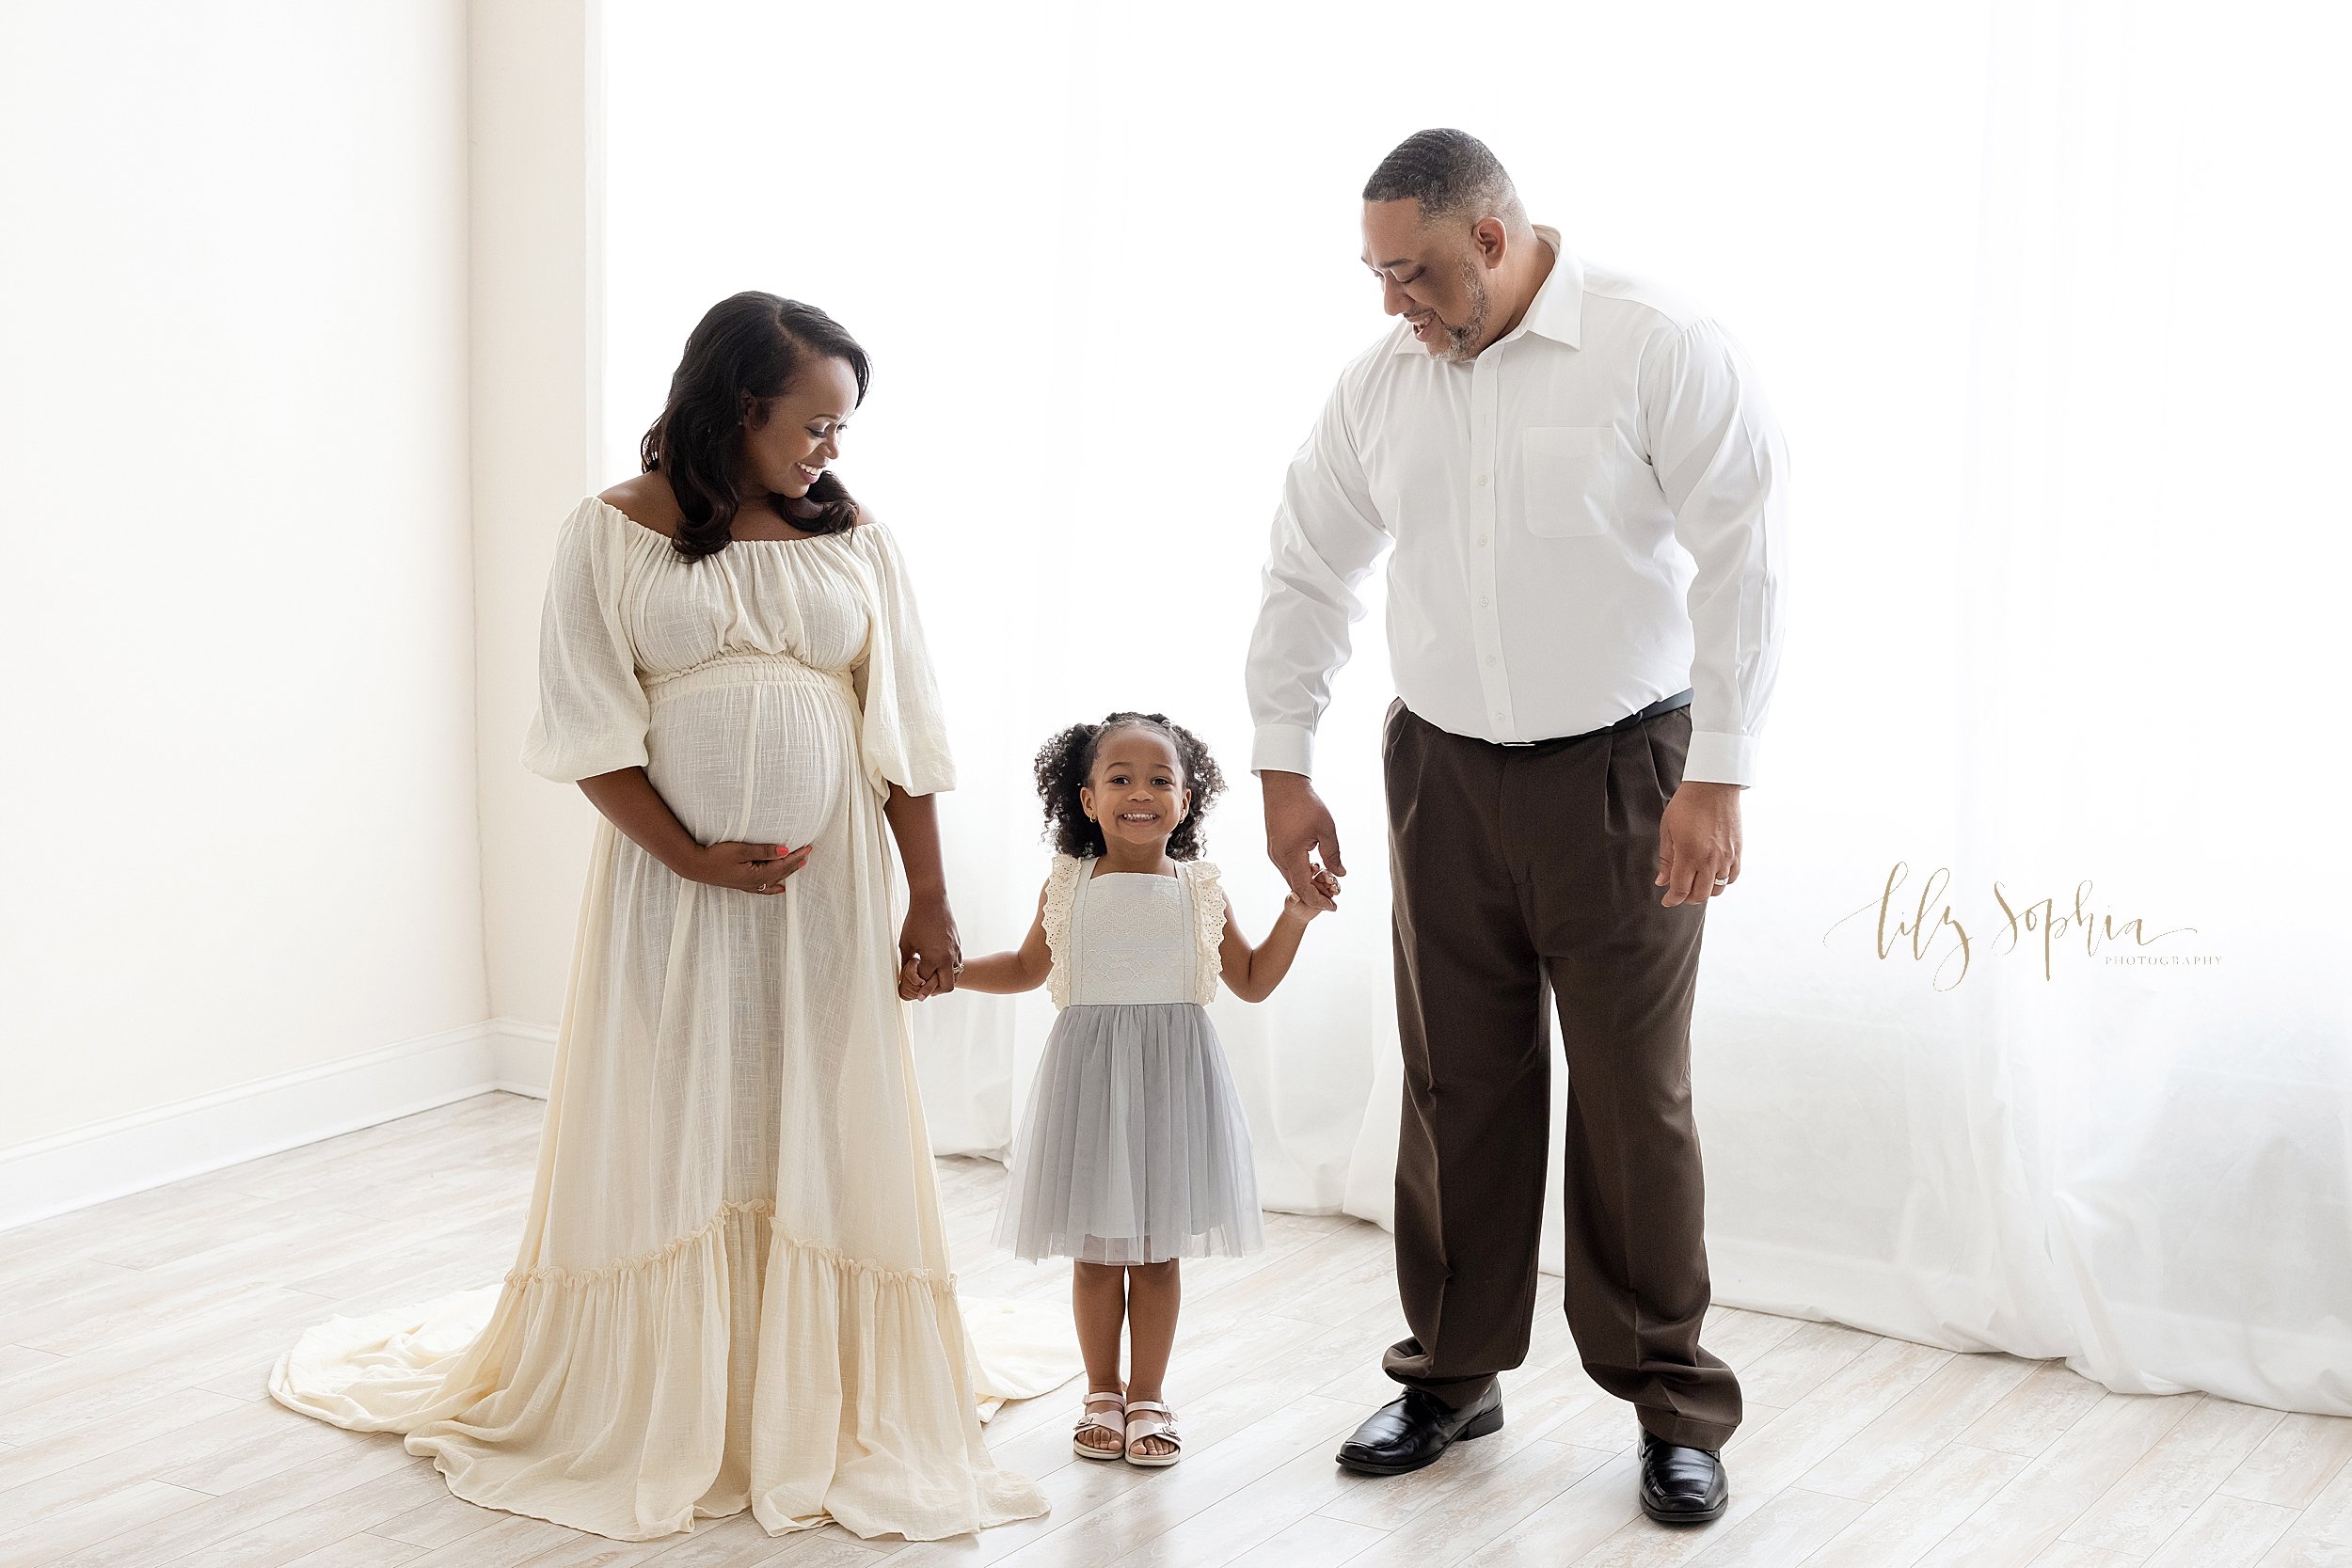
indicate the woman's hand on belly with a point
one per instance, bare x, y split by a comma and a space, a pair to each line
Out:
756, 868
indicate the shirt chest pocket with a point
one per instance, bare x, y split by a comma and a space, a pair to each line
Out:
1568, 478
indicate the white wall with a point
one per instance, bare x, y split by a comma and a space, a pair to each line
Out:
236, 595
537, 314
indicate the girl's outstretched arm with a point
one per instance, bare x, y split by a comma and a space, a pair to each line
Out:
1252, 973
1023, 968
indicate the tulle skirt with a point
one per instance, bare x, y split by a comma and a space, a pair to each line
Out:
1133, 1149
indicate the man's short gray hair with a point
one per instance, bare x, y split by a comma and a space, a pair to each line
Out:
1453, 175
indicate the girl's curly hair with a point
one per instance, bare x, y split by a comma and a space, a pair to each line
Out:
1065, 763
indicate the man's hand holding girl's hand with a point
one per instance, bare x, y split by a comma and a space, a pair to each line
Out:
1298, 824
1324, 883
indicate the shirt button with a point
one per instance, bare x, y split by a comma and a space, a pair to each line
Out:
1482, 538
1482, 604
1498, 718
1490, 659
1482, 480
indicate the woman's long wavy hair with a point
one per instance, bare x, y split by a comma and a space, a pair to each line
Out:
1065, 763
744, 351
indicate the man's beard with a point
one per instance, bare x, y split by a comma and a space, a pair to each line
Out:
1462, 341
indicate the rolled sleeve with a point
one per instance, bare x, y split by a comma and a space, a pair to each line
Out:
1719, 457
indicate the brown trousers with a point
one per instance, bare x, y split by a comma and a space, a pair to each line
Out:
1518, 872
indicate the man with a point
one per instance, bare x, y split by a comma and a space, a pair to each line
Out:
1578, 712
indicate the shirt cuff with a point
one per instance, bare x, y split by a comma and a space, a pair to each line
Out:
1716, 758
1283, 748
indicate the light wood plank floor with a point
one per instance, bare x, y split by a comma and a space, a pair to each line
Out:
136, 1430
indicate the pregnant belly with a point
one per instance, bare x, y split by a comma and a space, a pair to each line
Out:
756, 761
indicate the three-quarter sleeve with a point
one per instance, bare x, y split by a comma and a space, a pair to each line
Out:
903, 734
592, 714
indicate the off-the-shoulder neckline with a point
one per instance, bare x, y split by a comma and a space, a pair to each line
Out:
804, 539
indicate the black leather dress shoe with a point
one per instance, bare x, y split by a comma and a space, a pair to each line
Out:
1408, 1433
1681, 1485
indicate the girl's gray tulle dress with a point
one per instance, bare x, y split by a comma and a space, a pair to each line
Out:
1133, 1149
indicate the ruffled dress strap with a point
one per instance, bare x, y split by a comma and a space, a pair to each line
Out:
1061, 896
1208, 924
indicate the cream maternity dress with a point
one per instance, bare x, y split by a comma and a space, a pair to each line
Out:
733, 1289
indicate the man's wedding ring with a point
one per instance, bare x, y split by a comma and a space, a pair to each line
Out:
1723, 882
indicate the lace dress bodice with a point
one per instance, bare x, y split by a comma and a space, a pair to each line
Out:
1128, 937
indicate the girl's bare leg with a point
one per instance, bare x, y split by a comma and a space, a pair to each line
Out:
1098, 1302
1154, 1293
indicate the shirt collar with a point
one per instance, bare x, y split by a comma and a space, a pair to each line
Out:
1557, 311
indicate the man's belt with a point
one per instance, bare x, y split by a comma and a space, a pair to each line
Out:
1664, 704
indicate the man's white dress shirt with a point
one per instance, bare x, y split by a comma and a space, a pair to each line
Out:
1588, 516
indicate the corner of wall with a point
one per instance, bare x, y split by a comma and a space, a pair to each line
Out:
535, 300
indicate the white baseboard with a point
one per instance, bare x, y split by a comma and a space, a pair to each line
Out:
524, 1055
73, 1169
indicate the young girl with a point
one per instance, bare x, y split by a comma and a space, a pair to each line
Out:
1133, 1152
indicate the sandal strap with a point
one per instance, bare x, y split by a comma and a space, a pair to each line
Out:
1102, 1419
1140, 1427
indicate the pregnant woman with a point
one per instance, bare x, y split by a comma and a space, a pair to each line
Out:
733, 1289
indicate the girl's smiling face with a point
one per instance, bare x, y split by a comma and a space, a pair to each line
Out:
1135, 791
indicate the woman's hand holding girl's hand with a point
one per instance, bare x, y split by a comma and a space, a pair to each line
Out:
929, 946
756, 868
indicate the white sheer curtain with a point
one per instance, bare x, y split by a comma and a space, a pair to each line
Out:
2049, 297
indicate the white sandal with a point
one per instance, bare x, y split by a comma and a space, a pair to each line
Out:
1115, 1425
1163, 1425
